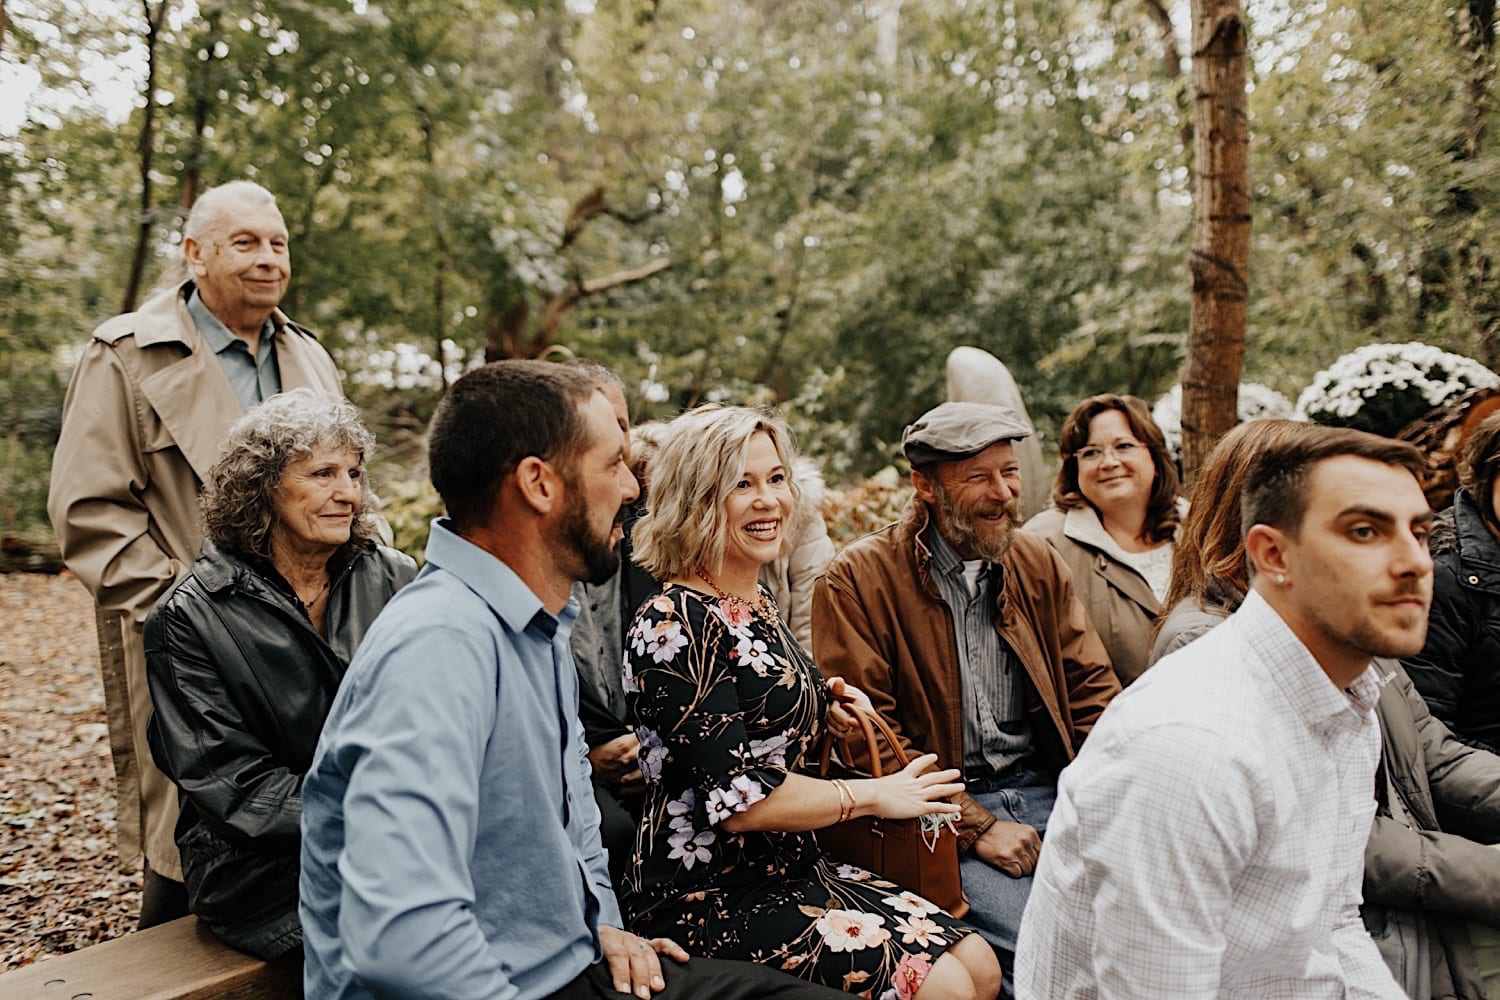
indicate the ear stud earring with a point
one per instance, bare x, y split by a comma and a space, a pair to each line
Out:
1281, 578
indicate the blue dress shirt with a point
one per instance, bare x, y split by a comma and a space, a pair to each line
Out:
450, 840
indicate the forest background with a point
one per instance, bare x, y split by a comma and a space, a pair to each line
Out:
806, 203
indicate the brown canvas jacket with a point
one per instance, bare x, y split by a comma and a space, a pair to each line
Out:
143, 420
879, 622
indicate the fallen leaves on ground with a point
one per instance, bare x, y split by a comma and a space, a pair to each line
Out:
61, 887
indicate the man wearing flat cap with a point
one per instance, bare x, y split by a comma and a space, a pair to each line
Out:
967, 636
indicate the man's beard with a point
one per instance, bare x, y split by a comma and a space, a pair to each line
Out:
600, 558
959, 531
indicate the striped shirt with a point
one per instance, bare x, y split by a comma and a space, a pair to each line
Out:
1209, 839
996, 733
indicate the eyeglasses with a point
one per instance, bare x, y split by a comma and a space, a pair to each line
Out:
1122, 451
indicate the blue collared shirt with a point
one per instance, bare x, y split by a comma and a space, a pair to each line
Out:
450, 840
253, 380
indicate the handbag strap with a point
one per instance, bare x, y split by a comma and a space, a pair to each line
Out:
869, 723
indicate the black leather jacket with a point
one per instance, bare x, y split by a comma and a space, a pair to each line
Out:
241, 683
1458, 670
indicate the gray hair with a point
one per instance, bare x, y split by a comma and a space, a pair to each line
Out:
209, 207
237, 499
701, 459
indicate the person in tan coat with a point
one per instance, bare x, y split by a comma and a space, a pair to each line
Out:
146, 411
969, 639
1114, 516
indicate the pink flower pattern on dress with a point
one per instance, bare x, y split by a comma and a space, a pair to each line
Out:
911, 973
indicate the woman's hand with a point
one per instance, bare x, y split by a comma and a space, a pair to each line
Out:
909, 792
847, 699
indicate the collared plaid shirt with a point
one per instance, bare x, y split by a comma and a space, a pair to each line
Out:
1209, 839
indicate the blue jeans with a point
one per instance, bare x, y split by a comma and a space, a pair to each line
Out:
997, 900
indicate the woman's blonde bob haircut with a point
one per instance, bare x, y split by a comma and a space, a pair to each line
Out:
701, 460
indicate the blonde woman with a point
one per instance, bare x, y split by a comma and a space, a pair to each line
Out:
729, 708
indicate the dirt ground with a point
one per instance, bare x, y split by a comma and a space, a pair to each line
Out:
61, 887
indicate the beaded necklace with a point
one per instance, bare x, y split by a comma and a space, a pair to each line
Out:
762, 605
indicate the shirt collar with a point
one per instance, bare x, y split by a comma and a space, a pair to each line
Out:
944, 559
495, 582
220, 338
1297, 674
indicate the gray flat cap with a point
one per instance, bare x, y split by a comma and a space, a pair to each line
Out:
952, 431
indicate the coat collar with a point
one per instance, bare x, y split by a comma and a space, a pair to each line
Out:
192, 396
910, 529
1476, 546
1082, 525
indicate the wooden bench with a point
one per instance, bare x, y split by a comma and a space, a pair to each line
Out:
180, 960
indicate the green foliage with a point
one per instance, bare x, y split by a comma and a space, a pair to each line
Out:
409, 506
843, 193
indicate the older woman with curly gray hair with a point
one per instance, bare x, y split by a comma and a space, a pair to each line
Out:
245, 653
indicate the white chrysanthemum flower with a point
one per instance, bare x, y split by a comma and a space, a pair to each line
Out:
1343, 390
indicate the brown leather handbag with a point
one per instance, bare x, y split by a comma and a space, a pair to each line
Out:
921, 858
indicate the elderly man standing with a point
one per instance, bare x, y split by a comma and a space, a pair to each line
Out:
967, 636
146, 411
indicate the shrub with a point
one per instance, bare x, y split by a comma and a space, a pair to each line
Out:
1383, 387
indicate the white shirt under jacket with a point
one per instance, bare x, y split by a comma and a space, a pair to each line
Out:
1209, 839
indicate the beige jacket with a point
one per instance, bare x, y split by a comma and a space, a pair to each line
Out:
145, 414
1119, 601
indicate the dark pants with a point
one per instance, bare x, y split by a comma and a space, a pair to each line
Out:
705, 978
617, 822
162, 899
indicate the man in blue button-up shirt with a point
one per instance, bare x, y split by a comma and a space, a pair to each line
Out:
450, 836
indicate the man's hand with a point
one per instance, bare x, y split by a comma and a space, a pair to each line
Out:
1011, 847
845, 700
617, 762
633, 965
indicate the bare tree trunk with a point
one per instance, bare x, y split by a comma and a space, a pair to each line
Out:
1476, 262
440, 239
1220, 259
155, 15
1171, 66
202, 86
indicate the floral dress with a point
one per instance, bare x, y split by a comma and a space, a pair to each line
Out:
726, 705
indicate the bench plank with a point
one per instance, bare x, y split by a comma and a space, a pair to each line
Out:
180, 960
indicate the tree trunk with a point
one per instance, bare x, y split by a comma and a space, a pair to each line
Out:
147, 151
1220, 259
1476, 262
2, 25
202, 84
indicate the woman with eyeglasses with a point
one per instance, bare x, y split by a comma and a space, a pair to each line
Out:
1116, 508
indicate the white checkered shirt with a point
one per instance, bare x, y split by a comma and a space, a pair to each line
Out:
1209, 839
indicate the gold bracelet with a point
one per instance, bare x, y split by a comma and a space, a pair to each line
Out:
846, 799
853, 802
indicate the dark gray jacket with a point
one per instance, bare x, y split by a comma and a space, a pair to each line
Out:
241, 683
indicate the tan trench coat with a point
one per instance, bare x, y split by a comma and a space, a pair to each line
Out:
145, 414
